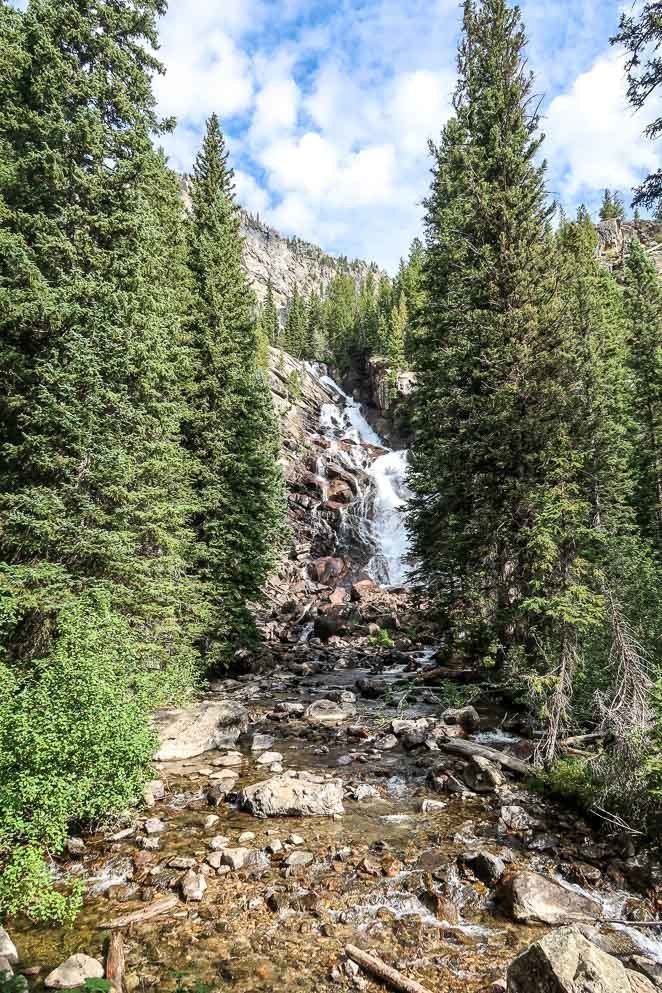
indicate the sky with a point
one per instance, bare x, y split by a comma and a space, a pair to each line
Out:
328, 105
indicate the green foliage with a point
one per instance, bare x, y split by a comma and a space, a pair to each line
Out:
230, 428
13, 984
96, 986
382, 639
612, 207
75, 743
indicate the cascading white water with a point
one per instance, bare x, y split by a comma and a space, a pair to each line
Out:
378, 507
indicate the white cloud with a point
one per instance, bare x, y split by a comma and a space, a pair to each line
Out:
276, 109
421, 104
249, 194
594, 138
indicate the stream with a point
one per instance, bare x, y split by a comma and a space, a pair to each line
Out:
398, 873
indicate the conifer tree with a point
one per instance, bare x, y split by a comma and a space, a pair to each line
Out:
396, 336
315, 349
492, 468
231, 431
270, 322
93, 481
612, 207
643, 308
296, 332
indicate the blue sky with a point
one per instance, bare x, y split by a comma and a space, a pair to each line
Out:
327, 106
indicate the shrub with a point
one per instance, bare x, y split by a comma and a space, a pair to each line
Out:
75, 744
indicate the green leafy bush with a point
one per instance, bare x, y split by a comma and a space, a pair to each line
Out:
75, 743
382, 639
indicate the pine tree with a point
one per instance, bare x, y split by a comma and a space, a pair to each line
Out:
643, 306
231, 431
612, 207
493, 469
296, 332
316, 347
270, 322
397, 336
93, 481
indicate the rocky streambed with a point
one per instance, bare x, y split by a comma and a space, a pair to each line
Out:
327, 808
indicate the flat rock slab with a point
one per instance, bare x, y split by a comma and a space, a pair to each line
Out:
328, 713
565, 962
529, 897
287, 796
191, 731
73, 973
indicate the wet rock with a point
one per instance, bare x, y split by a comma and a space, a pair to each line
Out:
580, 872
400, 727
191, 731
544, 843
75, 847
275, 847
218, 792
73, 973
327, 570
565, 962
268, 758
290, 709
486, 867
432, 806
371, 689
362, 791
8, 948
445, 782
386, 743
182, 862
151, 843
328, 713
154, 826
244, 858
229, 761
529, 897
647, 967
482, 776
193, 886
467, 717
341, 696
345, 760
286, 796
296, 839
262, 742
218, 843
211, 822
513, 818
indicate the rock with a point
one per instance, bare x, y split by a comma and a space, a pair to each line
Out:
74, 972
268, 758
328, 713
482, 776
285, 796
192, 731
211, 822
218, 792
154, 826
218, 843
296, 839
364, 792
341, 696
182, 862
275, 847
290, 709
193, 886
530, 897
364, 590
327, 570
432, 806
75, 847
386, 743
229, 761
6, 971
8, 948
297, 859
565, 962
648, 968
513, 818
215, 859
244, 858
399, 727
261, 742
467, 717
151, 843
245, 837
486, 867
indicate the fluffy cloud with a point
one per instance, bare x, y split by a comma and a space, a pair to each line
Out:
594, 138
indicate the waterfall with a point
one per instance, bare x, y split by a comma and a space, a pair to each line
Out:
375, 520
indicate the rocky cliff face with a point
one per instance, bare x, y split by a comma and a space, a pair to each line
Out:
614, 237
290, 263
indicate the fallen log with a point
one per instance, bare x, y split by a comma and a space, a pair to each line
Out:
386, 973
457, 746
444, 672
582, 739
148, 913
115, 962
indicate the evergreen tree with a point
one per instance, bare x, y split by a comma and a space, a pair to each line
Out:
495, 515
295, 335
270, 322
93, 482
231, 431
612, 207
643, 307
316, 348
396, 337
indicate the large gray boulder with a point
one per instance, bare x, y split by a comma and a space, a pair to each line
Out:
328, 713
202, 727
293, 795
565, 962
73, 973
529, 897
7, 948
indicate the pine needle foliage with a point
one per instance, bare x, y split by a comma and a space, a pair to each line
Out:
230, 430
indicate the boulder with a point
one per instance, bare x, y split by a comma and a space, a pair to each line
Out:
328, 713
287, 796
565, 962
486, 867
204, 726
193, 886
529, 897
327, 570
7, 948
364, 590
73, 973
467, 717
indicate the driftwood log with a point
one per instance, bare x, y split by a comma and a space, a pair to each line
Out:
148, 913
115, 962
456, 746
444, 672
386, 973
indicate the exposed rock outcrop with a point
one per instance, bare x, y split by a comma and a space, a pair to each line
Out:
614, 237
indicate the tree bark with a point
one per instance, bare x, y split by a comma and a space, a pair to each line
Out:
152, 910
467, 748
115, 963
386, 973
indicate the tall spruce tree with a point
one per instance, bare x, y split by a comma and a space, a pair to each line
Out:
493, 469
93, 482
231, 431
643, 307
